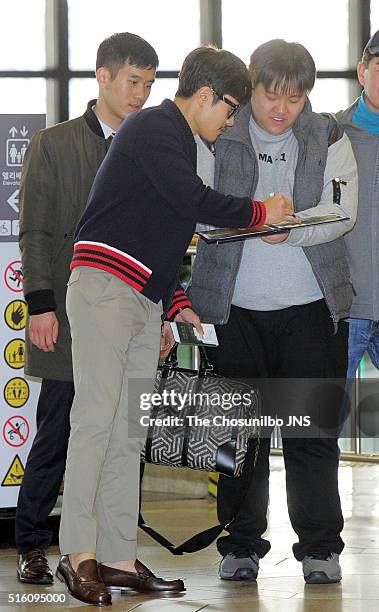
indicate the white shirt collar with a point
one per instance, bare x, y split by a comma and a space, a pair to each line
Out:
107, 131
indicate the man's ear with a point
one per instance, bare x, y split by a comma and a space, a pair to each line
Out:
203, 95
361, 69
103, 76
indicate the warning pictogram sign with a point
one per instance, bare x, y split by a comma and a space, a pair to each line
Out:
13, 276
15, 474
15, 314
16, 430
14, 353
16, 392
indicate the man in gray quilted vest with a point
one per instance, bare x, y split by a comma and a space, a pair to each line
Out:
361, 122
284, 316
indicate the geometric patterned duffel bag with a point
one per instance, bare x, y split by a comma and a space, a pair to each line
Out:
203, 421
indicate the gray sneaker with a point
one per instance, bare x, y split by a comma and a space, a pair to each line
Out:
241, 565
321, 568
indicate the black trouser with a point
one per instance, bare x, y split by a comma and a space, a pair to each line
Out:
45, 466
297, 342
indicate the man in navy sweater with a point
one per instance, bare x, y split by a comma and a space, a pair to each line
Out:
58, 171
141, 215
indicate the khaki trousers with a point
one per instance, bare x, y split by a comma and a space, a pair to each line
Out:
115, 339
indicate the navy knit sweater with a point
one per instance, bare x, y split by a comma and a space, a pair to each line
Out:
145, 202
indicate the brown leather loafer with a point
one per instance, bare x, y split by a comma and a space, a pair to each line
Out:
85, 584
33, 567
142, 580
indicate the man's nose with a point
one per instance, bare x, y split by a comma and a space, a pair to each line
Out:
139, 91
281, 106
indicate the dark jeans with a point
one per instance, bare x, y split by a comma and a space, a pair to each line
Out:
297, 342
45, 466
363, 336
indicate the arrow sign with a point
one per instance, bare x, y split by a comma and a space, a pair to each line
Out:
13, 200
13, 131
24, 131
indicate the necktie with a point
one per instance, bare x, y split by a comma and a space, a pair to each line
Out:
108, 141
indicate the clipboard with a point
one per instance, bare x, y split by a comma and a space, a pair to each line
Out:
232, 234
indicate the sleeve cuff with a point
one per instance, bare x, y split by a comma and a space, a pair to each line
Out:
179, 302
258, 217
40, 301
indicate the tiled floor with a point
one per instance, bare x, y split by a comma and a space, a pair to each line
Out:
280, 587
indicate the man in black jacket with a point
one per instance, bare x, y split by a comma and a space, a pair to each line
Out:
140, 218
59, 168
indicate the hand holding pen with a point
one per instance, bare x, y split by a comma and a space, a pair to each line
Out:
278, 208
277, 238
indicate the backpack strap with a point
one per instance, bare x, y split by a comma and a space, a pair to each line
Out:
335, 131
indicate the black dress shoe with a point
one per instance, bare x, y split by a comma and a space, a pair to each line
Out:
142, 580
85, 584
33, 567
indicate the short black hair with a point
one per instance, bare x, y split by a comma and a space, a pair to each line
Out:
220, 70
288, 66
121, 48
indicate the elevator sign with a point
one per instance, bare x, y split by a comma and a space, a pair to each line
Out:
15, 134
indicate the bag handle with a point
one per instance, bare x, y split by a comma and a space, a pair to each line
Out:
171, 361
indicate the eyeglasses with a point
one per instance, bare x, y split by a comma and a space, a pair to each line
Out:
235, 107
